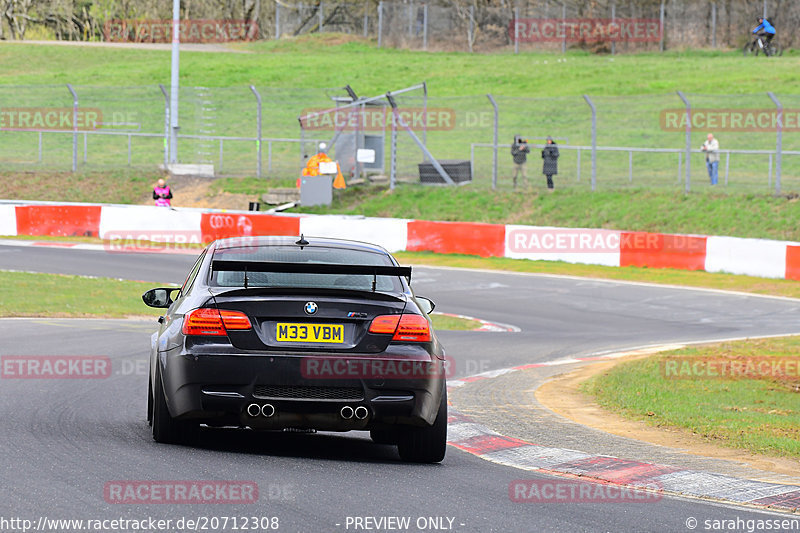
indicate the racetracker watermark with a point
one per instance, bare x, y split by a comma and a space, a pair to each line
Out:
380, 369
55, 367
189, 31
154, 241
50, 118
556, 240
380, 118
552, 491
181, 492
533, 30
771, 368
733, 120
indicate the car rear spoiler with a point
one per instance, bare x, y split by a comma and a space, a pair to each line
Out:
310, 268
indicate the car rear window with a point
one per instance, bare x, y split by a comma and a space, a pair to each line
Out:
309, 254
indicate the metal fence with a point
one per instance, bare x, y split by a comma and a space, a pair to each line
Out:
474, 26
629, 141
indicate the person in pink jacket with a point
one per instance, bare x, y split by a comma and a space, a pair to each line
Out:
162, 194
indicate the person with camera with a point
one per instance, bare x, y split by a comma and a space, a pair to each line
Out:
519, 151
550, 165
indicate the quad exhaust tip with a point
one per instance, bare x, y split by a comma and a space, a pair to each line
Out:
361, 412
346, 412
267, 410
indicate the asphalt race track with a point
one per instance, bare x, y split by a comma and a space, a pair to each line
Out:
65, 440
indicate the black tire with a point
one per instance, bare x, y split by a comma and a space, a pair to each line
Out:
150, 402
383, 436
166, 429
427, 444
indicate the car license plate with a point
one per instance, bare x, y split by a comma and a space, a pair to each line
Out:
287, 332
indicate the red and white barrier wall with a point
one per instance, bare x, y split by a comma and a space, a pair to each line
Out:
754, 257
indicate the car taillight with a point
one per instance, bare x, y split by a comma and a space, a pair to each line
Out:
206, 321
384, 324
405, 327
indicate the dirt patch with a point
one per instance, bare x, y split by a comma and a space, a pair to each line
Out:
563, 396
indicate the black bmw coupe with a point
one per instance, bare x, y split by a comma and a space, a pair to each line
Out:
281, 333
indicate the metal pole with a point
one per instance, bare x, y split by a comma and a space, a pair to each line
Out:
613, 21
366, 21
779, 142
425, 113
727, 166
594, 140
393, 155
471, 29
411, 19
713, 24
688, 140
258, 127
425, 26
764, 14
564, 27
380, 23
661, 21
74, 127
166, 124
175, 81
630, 167
321, 15
516, 30
495, 140
277, 20
769, 172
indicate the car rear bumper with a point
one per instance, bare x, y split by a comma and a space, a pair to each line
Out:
305, 392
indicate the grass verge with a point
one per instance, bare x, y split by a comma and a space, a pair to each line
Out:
756, 410
56, 295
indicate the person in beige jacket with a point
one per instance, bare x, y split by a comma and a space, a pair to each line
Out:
711, 148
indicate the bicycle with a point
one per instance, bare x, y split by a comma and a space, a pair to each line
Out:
759, 45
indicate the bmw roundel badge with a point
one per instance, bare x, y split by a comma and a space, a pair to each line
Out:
311, 308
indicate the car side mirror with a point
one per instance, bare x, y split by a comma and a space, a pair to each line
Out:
426, 305
160, 298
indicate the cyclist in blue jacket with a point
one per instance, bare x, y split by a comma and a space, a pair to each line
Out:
765, 30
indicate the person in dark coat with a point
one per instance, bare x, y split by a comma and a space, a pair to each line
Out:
550, 165
519, 151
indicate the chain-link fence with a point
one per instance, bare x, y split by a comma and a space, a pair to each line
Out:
466, 25
601, 26
640, 141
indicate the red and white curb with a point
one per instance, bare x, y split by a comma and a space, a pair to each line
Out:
483, 442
